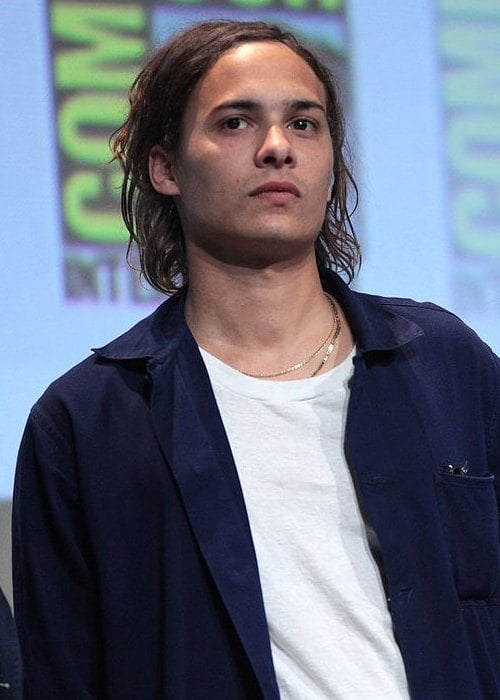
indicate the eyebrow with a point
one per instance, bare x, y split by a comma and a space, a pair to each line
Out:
252, 106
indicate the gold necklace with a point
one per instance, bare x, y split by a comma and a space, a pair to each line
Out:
331, 338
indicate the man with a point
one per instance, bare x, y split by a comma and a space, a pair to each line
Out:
273, 486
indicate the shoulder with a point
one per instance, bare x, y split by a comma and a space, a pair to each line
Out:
115, 377
439, 325
431, 335
153, 337
450, 355
381, 323
424, 311
72, 401
98, 382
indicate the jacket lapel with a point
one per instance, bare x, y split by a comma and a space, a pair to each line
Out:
394, 457
192, 437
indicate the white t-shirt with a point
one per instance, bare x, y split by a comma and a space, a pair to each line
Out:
331, 633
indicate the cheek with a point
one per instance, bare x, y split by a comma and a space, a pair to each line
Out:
320, 168
211, 173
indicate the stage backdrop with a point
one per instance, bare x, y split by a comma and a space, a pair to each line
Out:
421, 86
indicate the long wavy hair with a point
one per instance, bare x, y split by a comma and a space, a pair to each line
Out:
158, 99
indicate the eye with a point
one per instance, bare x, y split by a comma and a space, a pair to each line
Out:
235, 123
302, 124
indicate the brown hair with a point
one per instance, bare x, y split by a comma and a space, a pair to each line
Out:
158, 99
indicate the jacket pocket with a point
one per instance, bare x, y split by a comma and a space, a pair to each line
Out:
469, 513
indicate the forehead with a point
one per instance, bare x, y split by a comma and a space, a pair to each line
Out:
265, 71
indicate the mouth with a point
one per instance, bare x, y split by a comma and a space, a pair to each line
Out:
278, 188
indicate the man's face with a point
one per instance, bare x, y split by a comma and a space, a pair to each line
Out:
251, 175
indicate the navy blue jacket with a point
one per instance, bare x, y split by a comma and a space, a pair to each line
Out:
135, 573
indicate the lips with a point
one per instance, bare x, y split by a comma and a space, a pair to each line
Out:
271, 187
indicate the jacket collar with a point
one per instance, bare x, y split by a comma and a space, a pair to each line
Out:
374, 322
155, 337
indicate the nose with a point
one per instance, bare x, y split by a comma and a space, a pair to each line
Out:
276, 149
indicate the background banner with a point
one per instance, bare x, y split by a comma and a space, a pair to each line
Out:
420, 83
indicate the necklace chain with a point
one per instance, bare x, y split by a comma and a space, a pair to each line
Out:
330, 339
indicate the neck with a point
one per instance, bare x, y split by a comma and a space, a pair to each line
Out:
261, 321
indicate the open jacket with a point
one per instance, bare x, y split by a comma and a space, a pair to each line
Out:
135, 573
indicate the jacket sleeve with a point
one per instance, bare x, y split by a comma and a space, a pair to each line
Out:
55, 596
494, 435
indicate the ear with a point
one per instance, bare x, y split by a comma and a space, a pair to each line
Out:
161, 172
